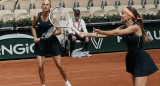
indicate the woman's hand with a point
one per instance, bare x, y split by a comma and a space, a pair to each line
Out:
74, 38
36, 40
82, 35
96, 30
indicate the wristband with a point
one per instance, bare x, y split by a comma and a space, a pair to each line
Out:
71, 34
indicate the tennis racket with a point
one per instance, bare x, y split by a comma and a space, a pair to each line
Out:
58, 17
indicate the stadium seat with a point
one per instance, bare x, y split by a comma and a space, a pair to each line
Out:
153, 11
37, 4
94, 9
150, 1
108, 8
112, 12
141, 11
138, 2
69, 9
99, 13
8, 5
137, 6
82, 8
130, 3
71, 13
124, 2
121, 7
85, 14
84, 11
2, 12
149, 6
86, 7
34, 11
97, 8
69, 3
111, 2
22, 16
7, 17
97, 3
17, 12
158, 6
24, 4
55, 3
83, 3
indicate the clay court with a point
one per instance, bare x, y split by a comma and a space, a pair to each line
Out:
107, 69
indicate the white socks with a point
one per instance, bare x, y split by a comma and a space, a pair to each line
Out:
43, 85
67, 83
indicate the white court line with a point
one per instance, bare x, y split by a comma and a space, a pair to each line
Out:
112, 75
157, 64
62, 80
71, 72
68, 72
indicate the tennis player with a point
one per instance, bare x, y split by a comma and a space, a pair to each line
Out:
45, 47
138, 62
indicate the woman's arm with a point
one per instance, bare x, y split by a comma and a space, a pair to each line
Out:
98, 35
33, 30
58, 29
95, 35
119, 31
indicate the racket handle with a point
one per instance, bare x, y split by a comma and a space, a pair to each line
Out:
40, 38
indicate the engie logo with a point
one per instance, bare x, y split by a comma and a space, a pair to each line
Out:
16, 44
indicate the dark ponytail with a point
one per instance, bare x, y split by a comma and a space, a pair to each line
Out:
139, 22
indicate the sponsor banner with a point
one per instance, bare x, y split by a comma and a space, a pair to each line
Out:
16, 45
19, 44
114, 44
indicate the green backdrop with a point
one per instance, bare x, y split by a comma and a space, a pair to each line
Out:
19, 44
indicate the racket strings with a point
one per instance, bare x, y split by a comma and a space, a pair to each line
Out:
59, 17
50, 32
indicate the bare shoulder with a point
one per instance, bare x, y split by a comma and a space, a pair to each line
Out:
135, 27
35, 17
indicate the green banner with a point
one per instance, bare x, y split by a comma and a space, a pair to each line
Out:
114, 44
16, 44
19, 44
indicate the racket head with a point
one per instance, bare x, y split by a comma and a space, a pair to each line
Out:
59, 17
50, 32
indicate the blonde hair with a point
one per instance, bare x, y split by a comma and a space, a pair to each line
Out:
47, 0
